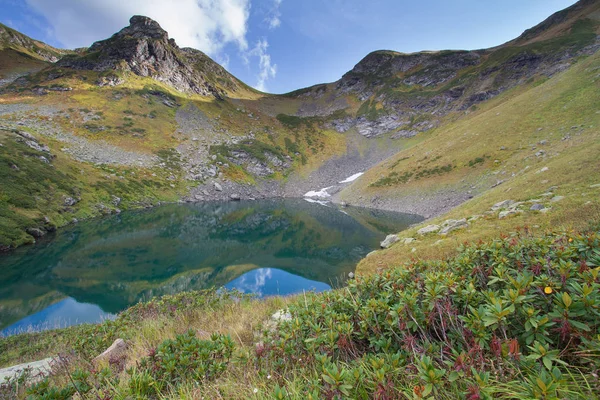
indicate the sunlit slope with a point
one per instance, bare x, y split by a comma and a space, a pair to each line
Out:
538, 145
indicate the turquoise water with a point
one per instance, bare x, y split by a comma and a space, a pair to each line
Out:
95, 269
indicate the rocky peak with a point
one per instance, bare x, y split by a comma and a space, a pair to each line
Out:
140, 28
145, 49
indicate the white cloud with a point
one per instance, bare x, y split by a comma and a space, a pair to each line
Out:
207, 25
267, 70
273, 18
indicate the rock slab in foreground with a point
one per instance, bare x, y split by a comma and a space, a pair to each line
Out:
38, 369
118, 348
389, 240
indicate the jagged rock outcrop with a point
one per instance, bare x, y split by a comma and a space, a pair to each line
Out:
145, 49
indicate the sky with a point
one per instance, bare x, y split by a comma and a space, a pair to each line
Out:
283, 45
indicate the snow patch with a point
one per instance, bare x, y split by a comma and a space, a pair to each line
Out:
352, 178
321, 193
321, 202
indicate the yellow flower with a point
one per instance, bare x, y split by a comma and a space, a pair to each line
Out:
570, 240
548, 290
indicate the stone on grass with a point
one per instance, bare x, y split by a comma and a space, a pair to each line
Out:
502, 205
557, 198
389, 241
38, 370
537, 207
428, 229
506, 213
35, 232
452, 225
117, 349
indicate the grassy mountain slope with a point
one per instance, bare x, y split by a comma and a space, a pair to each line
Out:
21, 55
535, 144
405, 94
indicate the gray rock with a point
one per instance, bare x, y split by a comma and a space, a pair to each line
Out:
389, 241
117, 349
235, 197
69, 201
408, 240
506, 213
556, 199
26, 135
503, 205
218, 187
37, 369
452, 225
537, 207
35, 232
428, 229
116, 200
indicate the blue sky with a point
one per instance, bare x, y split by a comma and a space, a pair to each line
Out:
283, 45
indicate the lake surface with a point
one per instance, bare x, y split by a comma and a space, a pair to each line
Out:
95, 269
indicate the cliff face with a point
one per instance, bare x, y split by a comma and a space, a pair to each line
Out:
145, 49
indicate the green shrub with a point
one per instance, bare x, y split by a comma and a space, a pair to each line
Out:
524, 310
185, 359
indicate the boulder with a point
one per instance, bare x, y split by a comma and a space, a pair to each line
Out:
69, 201
218, 187
389, 241
428, 229
503, 205
235, 197
117, 349
537, 207
452, 225
35, 232
408, 240
38, 370
557, 198
506, 213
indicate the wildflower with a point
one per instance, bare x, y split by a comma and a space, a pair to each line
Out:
570, 240
548, 290
418, 390
255, 390
268, 376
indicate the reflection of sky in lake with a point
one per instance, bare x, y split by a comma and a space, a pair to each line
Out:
272, 282
59, 315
